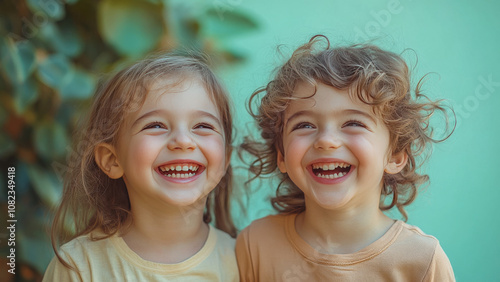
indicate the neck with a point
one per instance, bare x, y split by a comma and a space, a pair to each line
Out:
166, 234
341, 232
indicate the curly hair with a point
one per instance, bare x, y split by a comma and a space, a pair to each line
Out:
91, 200
374, 76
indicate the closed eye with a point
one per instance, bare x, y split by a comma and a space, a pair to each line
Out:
204, 125
354, 123
303, 125
155, 125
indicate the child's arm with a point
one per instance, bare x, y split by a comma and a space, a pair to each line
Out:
244, 257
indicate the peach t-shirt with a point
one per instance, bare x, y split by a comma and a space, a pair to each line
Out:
270, 249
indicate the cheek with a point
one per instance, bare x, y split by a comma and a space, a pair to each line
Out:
144, 150
361, 146
369, 152
214, 150
295, 149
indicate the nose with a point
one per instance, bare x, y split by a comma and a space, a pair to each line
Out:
181, 140
327, 141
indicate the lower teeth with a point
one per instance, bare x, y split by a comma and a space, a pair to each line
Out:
332, 176
181, 175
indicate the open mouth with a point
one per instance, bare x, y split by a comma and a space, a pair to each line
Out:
181, 170
330, 170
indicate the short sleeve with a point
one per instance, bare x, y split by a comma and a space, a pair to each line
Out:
440, 267
57, 272
244, 257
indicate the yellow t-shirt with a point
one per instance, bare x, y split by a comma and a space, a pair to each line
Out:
112, 260
270, 249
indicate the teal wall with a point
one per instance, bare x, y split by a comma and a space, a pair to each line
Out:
460, 42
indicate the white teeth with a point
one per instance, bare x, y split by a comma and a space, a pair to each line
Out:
332, 176
330, 166
181, 175
179, 168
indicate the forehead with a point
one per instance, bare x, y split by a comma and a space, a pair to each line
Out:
185, 87
324, 97
177, 97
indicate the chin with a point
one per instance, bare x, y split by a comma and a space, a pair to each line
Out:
185, 199
330, 201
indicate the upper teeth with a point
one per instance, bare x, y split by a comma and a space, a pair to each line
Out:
180, 167
329, 166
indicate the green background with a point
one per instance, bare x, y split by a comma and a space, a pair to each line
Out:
43, 92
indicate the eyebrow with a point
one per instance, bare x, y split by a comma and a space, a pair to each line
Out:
208, 115
146, 115
347, 111
358, 112
297, 115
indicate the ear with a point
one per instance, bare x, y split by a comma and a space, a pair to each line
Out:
396, 163
105, 157
281, 162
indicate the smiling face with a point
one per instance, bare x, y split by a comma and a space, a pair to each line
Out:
335, 149
172, 150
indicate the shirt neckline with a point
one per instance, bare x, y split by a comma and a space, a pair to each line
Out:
313, 255
124, 250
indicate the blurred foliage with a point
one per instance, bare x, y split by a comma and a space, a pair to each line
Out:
51, 54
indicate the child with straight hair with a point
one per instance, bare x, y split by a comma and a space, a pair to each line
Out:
345, 131
151, 169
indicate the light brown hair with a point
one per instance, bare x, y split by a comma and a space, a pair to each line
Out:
91, 200
374, 76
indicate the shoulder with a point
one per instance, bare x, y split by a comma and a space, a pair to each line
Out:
424, 250
86, 245
223, 241
266, 225
263, 232
258, 243
78, 253
412, 235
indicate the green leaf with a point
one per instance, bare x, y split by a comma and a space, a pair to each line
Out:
23, 181
17, 59
24, 95
50, 140
225, 23
53, 70
37, 250
77, 84
46, 185
3, 115
7, 146
232, 55
131, 27
53, 9
182, 20
62, 38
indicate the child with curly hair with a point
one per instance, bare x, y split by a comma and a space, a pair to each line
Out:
346, 133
